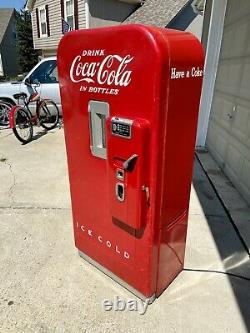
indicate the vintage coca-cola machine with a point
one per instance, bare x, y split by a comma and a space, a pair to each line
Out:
130, 100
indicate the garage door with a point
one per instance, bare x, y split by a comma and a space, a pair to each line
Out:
229, 127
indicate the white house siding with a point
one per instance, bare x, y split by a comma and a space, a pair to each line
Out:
48, 45
82, 14
229, 127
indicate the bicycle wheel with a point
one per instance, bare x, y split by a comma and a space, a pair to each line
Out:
48, 114
4, 113
23, 129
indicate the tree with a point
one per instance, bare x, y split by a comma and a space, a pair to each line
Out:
28, 56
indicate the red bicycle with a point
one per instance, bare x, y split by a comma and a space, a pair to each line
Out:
22, 120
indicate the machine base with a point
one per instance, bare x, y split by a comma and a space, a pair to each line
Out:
117, 279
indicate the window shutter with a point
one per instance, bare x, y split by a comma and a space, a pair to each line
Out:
47, 19
62, 12
76, 14
37, 23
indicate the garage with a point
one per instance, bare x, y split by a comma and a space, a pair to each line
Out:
228, 136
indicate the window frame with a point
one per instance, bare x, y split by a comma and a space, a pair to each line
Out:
40, 8
73, 12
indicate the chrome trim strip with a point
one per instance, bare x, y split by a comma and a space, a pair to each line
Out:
117, 279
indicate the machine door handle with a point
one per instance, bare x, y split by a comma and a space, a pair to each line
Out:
130, 162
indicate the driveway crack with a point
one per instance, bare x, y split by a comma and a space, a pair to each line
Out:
11, 189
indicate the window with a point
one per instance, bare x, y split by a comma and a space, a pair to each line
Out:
69, 13
14, 32
43, 21
42, 18
1, 66
46, 72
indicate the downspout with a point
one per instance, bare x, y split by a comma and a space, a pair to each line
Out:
87, 14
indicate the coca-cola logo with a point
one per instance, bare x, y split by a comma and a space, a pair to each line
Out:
110, 70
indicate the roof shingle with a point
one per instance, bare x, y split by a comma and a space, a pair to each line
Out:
5, 15
157, 12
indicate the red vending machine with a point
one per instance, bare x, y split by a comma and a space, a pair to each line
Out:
130, 100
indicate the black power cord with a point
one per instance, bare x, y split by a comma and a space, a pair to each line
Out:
217, 272
197, 270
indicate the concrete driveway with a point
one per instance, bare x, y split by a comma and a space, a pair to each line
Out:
46, 287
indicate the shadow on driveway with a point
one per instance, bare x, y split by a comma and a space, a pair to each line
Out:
234, 256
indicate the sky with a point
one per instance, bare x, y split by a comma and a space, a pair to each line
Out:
18, 4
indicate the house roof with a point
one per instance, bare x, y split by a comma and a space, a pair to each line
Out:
157, 12
5, 15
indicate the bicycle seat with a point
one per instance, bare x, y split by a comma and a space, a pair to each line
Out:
20, 95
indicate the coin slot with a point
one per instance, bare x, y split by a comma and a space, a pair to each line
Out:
120, 191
